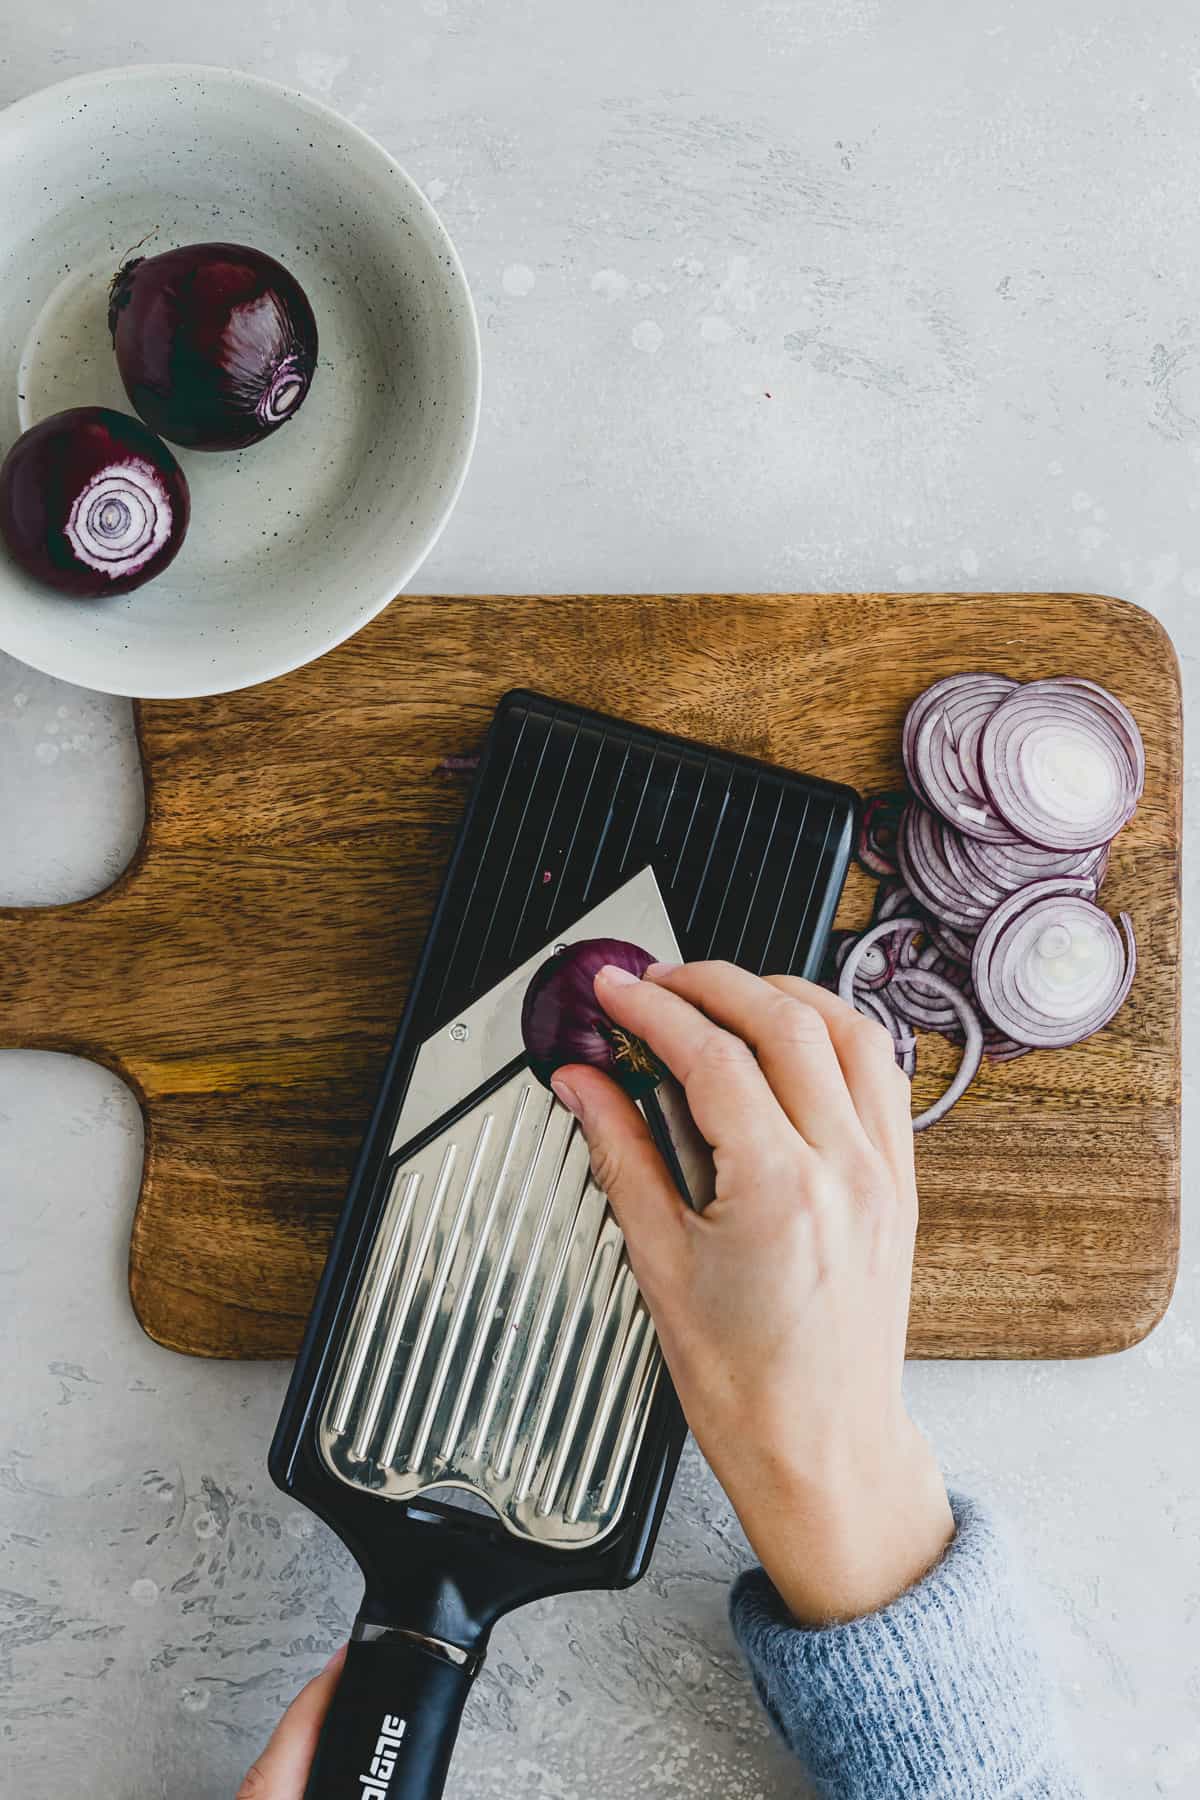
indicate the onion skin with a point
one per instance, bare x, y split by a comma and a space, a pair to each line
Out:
563, 1022
216, 343
92, 503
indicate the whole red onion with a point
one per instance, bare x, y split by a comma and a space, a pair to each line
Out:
91, 503
563, 1022
216, 343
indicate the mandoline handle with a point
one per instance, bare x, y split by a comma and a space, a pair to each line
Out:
391, 1729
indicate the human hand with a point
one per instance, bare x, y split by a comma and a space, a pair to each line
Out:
782, 1308
281, 1772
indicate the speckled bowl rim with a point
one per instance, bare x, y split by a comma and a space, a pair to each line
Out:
52, 99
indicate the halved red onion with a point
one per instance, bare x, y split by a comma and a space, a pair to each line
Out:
1050, 967
972, 1029
876, 849
562, 1021
92, 503
1063, 764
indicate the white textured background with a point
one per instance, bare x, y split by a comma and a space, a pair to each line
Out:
834, 294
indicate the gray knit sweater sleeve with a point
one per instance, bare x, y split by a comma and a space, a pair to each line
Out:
938, 1697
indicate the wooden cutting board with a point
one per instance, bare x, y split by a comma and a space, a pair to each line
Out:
246, 973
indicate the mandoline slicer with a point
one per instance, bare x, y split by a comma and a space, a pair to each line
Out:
480, 1408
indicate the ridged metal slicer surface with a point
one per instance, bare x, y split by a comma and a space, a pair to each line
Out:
498, 1341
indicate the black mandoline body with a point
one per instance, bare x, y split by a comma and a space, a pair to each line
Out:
566, 806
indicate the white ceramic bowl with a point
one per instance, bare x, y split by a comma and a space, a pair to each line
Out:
297, 542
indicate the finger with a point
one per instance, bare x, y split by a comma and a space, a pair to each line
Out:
728, 1095
282, 1771
627, 1165
788, 1035
882, 1093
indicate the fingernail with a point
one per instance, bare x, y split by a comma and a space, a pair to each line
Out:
617, 977
566, 1093
657, 970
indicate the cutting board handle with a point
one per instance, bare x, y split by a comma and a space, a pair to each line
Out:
59, 976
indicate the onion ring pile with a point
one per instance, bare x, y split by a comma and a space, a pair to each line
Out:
986, 927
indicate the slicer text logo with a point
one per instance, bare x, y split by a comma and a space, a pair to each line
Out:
378, 1779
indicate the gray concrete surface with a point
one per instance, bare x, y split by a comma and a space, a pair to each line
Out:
826, 295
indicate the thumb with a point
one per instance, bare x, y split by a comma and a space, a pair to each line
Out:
281, 1772
627, 1165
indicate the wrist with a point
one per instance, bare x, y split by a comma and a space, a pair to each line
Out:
851, 1532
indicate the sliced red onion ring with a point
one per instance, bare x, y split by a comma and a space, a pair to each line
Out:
998, 1048
892, 898
917, 1001
945, 754
876, 849
1121, 717
1050, 967
923, 1003
966, 874
940, 746
1007, 867
921, 849
972, 1030
984, 925
1062, 764
849, 973
904, 1042
876, 966
955, 946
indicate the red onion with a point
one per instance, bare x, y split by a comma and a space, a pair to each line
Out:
861, 948
91, 503
940, 744
972, 1030
923, 1002
1121, 718
563, 1022
903, 1041
912, 991
1008, 867
955, 946
926, 870
1050, 968
893, 898
216, 343
1064, 764
876, 966
990, 935
876, 849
